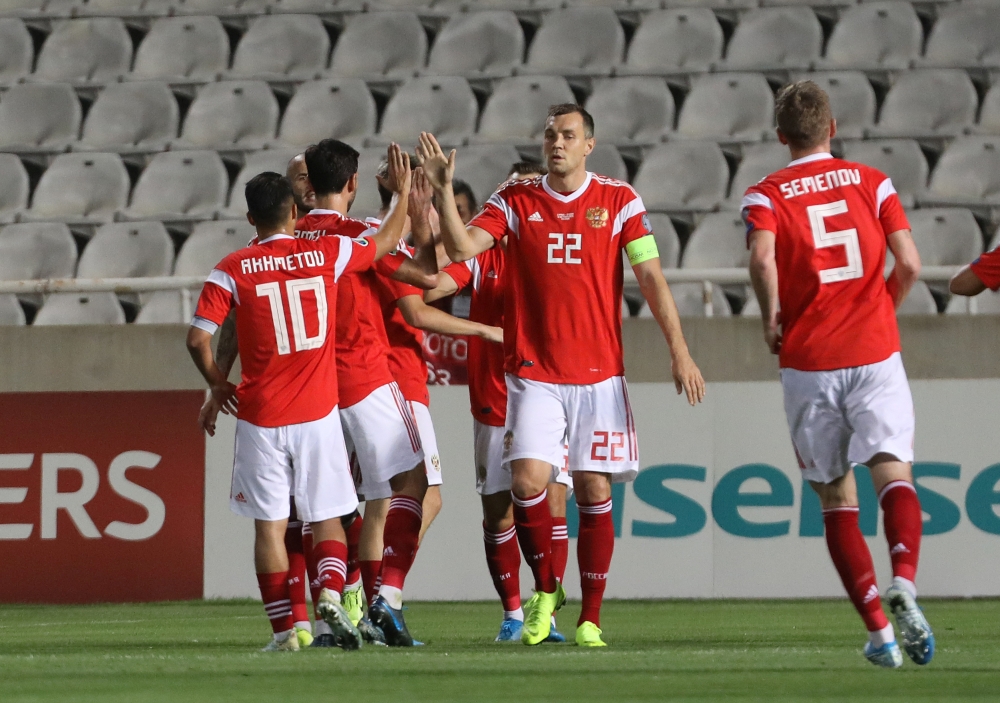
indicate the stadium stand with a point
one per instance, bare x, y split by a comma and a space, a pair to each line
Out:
605, 160
484, 167
266, 160
729, 107
966, 35
282, 48
684, 176
678, 41
967, 175
128, 250
775, 38
852, 99
81, 189
650, 114
900, 159
17, 52
690, 299
131, 117
209, 242
84, 51
907, 112
180, 49
667, 242
36, 250
875, 36
919, 301
577, 41
39, 118
946, 236
77, 309
379, 46
719, 241
989, 114
486, 44
11, 312
231, 115
444, 105
339, 108
511, 115
758, 162
15, 187
179, 186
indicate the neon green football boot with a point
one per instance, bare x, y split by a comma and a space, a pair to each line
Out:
354, 604
538, 622
304, 637
589, 635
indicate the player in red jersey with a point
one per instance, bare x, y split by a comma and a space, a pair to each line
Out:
563, 344
817, 232
288, 436
981, 274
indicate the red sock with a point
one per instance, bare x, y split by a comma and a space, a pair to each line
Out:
402, 531
331, 565
369, 578
854, 564
274, 592
904, 524
296, 572
307, 550
503, 559
560, 547
534, 532
595, 544
353, 539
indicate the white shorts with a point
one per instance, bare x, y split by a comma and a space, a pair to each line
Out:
491, 475
307, 461
594, 420
432, 460
383, 439
846, 416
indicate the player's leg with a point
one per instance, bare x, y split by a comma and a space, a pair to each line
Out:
558, 491
297, 577
432, 464
353, 594
271, 564
595, 545
371, 546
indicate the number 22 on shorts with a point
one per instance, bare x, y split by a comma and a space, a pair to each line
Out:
608, 446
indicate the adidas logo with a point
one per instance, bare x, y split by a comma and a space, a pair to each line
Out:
239, 498
491, 274
535, 217
872, 593
899, 549
387, 552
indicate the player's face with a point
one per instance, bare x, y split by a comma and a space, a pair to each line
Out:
565, 144
305, 198
464, 207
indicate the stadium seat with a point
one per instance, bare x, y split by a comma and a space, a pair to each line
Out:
900, 159
517, 108
667, 242
127, 250
637, 110
968, 173
24, 8
484, 167
946, 236
180, 185
719, 241
965, 35
80, 309
683, 176
207, 7
605, 160
380, 45
43, 118
686, 40
443, 105
852, 100
164, 307
986, 303
14, 187
17, 52
577, 41
315, 6
183, 49
85, 51
265, 160
367, 202
337, 108
139, 116
231, 115
282, 47
919, 301
714, 4
118, 8
11, 312
728, 107
775, 38
989, 114
209, 243
690, 299
82, 188
759, 161
928, 103
478, 45
875, 35
35, 250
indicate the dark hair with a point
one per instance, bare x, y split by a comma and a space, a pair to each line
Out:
802, 112
330, 164
463, 188
527, 167
574, 109
383, 172
269, 199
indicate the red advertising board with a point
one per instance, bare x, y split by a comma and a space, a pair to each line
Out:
447, 359
102, 497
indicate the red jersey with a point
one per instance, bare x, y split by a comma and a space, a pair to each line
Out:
362, 345
285, 292
987, 269
487, 387
562, 311
831, 219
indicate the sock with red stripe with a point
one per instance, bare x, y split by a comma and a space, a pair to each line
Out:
904, 524
369, 578
297, 575
277, 604
853, 562
353, 562
503, 559
534, 532
560, 547
402, 533
595, 544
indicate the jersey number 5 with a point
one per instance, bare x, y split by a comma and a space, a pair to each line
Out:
294, 290
847, 238
562, 248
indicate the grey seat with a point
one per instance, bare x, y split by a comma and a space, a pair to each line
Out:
138, 116
478, 45
11, 312
367, 202
443, 105
759, 161
719, 241
728, 107
967, 174
989, 113
14, 187
516, 110
852, 100
577, 40
85, 50
335, 108
875, 35
315, 6
484, 167
180, 185
986, 303
118, 8
928, 103
946, 236
24, 8
687, 40
85, 188
690, 300
231, 115
80, 309
209, 243
265, 160
39, 117
605, 160
36, 250
183, 49
163, 307
17, 52
127, 250
667, 242
380, 45
686, 176
919, 301
900, 159
207, 7
282, 47
713, 4
632, 110
965, 35
775, 38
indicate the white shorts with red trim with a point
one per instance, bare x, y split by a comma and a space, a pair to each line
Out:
383, 439
425, 425
307, 461
491, 474
844, 417
594, 421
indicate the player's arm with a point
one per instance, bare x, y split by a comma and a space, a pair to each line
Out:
907, 269
966, 282
446, 286
424, 317
764, 277
981, 274
397, 181
225, 356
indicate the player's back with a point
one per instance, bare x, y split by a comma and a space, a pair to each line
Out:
831, 219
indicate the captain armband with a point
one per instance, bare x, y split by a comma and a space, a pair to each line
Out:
642, 249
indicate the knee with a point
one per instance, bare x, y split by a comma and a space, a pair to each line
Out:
529, 477
498, 512
591, 487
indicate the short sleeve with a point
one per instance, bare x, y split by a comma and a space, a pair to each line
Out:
632, 222
891, 215
391, 262
497, 218
398, 289
461, 272
987, 269
356, 254
757, 211
218, 296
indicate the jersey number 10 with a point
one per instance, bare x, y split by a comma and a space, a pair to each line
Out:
847, 238
294, 290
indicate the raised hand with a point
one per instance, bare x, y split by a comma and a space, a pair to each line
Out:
439, 169
421, 195
399, 178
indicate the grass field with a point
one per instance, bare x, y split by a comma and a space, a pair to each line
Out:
676, 650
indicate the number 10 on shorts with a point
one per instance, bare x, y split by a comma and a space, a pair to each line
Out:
608, 446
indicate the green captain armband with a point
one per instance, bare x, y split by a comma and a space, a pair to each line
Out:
642, 249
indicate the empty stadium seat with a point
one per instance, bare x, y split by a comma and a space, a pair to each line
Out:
80, 309
231, 115
209, 243
965, 36
690, 299
282, 47
986, 303
380, 45
577, 40
946, 236
127, 250
164, 307
900, 159
852, 100
339, 109
478, 45
206, 7
85, 50
719, 241
180, 185
667, 242
989, 114
631, 110
11, 312
775, 38
125, 117
875, 35
683, 176
714, 4
919, 301
367, 202
686, 40
17, 53
315, 6
605, 160
728, 107
967, 174
266, 160
14, 187
183, 48
35, 250
118, 8
517, 108
484, 167
928, 103
24, 8
39, 117
759, 161
444, 105
85, 188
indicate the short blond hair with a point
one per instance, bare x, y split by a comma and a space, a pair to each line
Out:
802, 111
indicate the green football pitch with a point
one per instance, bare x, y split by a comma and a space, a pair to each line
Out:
676, 650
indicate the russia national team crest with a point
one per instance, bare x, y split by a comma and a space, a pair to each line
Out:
597, 217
